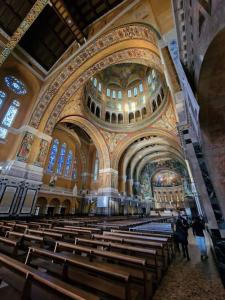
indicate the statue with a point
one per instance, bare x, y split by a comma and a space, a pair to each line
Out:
53, 179
75, 190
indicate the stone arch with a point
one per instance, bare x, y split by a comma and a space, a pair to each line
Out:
66, 205
42, 205
96, 136
54, 205
93, 59
120, 149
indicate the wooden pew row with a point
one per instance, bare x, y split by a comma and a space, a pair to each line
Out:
9, 247
150, 255
24, 282
164, 241
93, 230
136, 267
145, 233
133, 242
168, 236
109, 284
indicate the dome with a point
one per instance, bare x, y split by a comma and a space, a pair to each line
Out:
124, 94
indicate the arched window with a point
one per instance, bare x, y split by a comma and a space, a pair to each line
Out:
99, 87
15, 85
141, 88
129, 93
93, 107
95, 82
74, 170
119, 95
108, 92
107, 116
135, 91
96, 167
68, 163
61, 159
2, 98
53, 153
114, 94
97, 112
9, 118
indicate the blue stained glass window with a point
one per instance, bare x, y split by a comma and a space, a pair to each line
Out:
10, 114
96, 167
15, 85
99, 87
68, 163
135, 91
61, 159
52, 157
2, 98
3, 133
108, 92
119, 95
141, 88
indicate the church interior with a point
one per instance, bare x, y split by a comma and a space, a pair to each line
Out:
112, 149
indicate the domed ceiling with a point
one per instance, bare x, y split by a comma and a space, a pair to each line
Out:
125, 93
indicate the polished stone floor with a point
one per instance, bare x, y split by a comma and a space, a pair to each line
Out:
194, 279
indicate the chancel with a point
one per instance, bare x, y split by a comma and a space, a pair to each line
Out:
112, 149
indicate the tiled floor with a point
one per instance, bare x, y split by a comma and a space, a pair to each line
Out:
195, 279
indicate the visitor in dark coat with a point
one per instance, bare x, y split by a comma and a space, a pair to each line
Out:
181, 236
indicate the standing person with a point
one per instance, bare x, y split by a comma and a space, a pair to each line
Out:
198, 231
181, 236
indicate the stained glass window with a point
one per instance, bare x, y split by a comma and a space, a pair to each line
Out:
108, 92
99, 87
61, 158
15, 85
114, 94
2, 98
74, 171
3, 133
129, 93
52, 157
135, 91
95, 82
69, 163
11, 113
96, 167
119, 95
141, 88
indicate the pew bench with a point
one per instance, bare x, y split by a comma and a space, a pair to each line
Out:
80, 272
136, 267
24, 282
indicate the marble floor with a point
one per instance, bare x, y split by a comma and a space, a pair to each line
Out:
194, 279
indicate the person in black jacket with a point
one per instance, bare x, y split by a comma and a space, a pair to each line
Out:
181, 236
198, 231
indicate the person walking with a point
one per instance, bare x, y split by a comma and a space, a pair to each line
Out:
181, 236
198, 227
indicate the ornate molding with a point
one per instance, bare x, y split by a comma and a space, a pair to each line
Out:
123, 33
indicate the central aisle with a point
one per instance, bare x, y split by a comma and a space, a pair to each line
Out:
194, 280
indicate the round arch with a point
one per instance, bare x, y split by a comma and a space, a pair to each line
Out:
96, 136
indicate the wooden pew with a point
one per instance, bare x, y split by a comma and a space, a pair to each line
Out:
9, 247
25, 240
139, 243
79, 271
27, 283
92, 229
153, 263
136, 267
